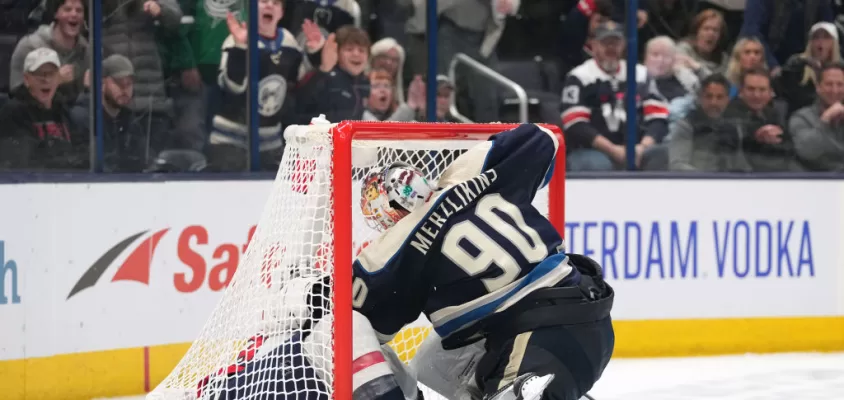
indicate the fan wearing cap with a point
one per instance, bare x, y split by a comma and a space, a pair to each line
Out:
37, 133
800, 74
444, 89
594, 113
124, 134
782, 26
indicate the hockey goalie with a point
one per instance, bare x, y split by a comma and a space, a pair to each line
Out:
515, 317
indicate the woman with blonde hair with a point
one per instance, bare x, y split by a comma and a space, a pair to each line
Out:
748, 54
799, 74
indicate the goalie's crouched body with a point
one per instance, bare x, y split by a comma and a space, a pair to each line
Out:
475, 255
564, 331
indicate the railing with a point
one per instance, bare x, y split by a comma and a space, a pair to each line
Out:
490, 73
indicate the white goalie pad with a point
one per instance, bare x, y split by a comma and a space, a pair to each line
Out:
364, 342
451, 373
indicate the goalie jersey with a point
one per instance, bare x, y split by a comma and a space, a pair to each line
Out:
474, 249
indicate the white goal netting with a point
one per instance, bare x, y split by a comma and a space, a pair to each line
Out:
251, 347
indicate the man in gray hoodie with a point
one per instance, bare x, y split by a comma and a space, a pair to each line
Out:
818, 129
65, 38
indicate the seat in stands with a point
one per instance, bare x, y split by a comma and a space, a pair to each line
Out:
541, 82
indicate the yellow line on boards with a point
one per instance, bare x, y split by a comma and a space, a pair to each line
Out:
124, 372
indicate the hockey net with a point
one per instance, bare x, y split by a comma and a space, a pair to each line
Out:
309, 231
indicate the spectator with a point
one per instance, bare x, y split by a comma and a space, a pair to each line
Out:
64, 37
37, 133
594, 115
781, 26
328, 15
15, 23
469, 27
673, 80
382, 104
818, 129
748, 54
669, 18
758, 128
279, 66
124, 137
797, 81
578, 27
337, 88
388, 54
703, 48
129, 29
312, 20
184, 86
206, 35
694, 143
444, 90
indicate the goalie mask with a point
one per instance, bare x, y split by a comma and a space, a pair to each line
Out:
391, 192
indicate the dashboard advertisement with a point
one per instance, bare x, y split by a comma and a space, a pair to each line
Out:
94, 267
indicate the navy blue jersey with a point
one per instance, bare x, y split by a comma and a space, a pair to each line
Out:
292, 369
593, 103
283, 373
474, 249
280, 60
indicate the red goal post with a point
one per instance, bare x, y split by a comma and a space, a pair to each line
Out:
343, 136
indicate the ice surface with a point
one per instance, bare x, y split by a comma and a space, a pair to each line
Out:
803, 376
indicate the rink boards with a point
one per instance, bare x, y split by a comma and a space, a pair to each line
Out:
699, 267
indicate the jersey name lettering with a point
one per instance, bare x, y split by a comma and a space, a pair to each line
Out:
465, 193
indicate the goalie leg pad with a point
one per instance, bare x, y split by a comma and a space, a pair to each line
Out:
451, 373
526, 387
376, 371
575, 355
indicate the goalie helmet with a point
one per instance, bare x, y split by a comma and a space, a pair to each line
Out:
390, 193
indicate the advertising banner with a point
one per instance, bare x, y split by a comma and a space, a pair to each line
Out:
91, 267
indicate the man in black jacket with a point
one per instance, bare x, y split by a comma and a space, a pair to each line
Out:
124, 136
37, 133
758, 127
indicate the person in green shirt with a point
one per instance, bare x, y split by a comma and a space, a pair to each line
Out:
191, 58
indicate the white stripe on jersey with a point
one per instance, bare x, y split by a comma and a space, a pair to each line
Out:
545, 274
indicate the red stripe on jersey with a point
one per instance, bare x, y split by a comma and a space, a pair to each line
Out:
367, 360
569, 117
654, 109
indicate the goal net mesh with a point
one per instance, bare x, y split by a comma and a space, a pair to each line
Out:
251, 346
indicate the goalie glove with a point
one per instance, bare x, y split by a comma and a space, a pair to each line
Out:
528, 386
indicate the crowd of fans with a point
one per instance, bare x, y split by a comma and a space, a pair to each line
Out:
756, 87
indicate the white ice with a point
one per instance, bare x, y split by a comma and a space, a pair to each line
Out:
803, 376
